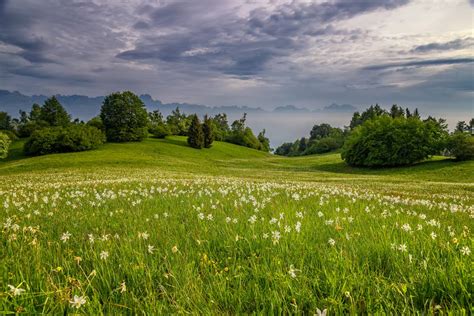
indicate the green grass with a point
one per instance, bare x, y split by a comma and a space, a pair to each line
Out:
232, 230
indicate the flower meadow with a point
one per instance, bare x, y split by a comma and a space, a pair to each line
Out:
160, 244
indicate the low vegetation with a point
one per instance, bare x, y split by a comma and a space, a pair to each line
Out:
157, 227
63, 139
4, 145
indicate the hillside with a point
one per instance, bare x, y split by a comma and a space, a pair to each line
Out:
173, 155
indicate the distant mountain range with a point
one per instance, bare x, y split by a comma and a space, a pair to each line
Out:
85, 107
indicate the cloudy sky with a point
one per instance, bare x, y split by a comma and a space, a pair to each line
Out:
264, 53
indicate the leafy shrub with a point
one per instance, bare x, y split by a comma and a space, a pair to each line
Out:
4, 145
124, 117
387, 141
97, 123
461, 146
159, 130
27, 128
63, 139
10, 135
245, 138
323, 145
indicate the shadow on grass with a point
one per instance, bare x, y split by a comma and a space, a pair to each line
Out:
342, 167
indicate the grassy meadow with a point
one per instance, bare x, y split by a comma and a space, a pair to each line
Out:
158, 228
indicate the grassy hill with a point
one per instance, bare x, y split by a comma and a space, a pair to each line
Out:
173, 155
160, 228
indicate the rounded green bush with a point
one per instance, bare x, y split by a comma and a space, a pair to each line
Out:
461, 146
386, 141
63, 139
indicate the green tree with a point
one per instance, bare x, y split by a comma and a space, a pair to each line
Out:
208, 130
157, 126
221, 126
284, 149
195, 133
124, 116
97, 123
264, 141
461, 146
320, 131
5, 121
54, 113
4, 145
385, 141
461, 126
303, 145
396, 111
178, 122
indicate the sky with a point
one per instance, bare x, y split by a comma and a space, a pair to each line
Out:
261, 53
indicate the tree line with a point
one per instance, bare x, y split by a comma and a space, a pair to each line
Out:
377, 137
123, 118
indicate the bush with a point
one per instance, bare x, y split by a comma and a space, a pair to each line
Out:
125, 117
386, 141
159, 130
97, 123
323, 145
63, 139
245, 138
461, 146
26, 129
10, 135
4, 145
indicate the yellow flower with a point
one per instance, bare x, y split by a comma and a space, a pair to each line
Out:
174, 249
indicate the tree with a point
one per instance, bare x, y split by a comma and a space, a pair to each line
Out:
208, 130
284, 149
97, 123
195, 133
5, 121
355, 121
157, 126
178, 122
385, 141
221, 126
264, 141
303, 144
461, 126
408, 113
35, 113
416, 114
54, 113
320, 131
396, 111
124, 117
461, 146
4, 145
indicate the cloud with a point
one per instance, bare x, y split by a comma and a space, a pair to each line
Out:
421, 63
456, 44
235, 45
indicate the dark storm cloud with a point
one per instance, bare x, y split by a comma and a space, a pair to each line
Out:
456, 44
239, 46
422, 63
16, 30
